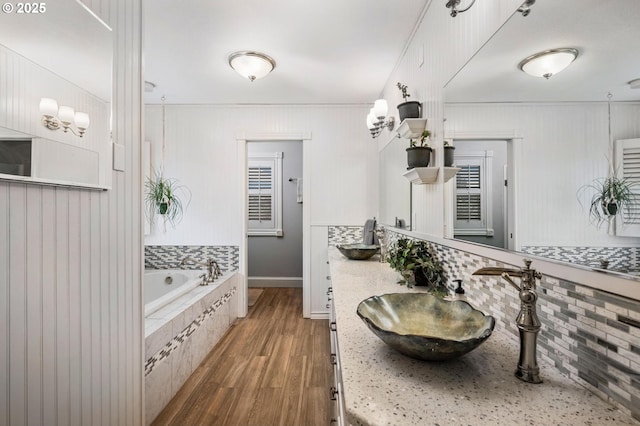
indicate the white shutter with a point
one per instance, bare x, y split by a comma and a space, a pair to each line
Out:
627, 155
265, 194
473, 194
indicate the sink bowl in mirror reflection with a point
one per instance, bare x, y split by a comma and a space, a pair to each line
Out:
424, 326
357, 251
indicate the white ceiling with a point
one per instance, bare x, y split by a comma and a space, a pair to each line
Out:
332, 51
607, 34
66, 39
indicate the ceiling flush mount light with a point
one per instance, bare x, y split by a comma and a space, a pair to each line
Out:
548, 63
53, 117
635, 84
251, 65
376, 118
453, 5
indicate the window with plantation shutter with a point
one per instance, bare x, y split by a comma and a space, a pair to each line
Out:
627, 155
473, 195
265, 194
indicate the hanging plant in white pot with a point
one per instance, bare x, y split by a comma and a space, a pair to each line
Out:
162, 194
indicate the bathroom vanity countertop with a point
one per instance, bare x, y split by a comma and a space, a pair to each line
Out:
383, 387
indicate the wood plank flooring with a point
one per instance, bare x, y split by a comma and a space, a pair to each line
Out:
271, 368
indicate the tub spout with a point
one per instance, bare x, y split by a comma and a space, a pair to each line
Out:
527, 321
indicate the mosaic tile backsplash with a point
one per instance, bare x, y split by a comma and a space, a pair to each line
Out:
589, 335
345, 234
169, 257
619, 258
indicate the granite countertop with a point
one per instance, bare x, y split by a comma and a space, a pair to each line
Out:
383, 387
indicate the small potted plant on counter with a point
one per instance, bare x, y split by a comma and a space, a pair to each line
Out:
419, 155
407, 109
417, 263
161, 197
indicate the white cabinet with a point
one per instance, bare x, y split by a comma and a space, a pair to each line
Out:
320, 279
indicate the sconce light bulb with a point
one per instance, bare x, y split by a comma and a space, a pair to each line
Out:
66, 115
82, 120
48, 107
380, 108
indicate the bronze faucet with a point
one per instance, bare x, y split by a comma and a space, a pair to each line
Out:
527, 321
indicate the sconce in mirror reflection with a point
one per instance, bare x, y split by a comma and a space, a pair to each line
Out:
54, 118
376, 118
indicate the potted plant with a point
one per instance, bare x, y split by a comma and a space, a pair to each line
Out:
407, 109
448, 154
611, 196
419, 155
417, 263
161, 197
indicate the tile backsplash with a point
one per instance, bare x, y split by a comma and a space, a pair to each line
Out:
619, 258
589, 335
169, 257
345, 234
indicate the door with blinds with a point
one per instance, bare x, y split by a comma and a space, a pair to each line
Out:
473, 196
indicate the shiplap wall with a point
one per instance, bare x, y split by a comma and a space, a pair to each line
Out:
201, 152
444, 44
70, 293
568, 151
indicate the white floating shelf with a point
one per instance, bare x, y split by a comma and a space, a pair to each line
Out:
422, 175
425, 175
412, 128
450, 172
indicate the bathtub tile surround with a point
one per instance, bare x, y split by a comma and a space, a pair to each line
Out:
180, 335
589, 335
345, 234
169, 257
620, 258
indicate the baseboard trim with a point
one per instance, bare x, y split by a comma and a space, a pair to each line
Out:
319, 315
288, 282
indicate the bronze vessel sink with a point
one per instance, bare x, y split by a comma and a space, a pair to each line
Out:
424, 326
357, 251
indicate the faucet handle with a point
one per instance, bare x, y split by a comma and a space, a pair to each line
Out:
527, 263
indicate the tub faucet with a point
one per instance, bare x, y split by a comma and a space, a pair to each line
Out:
213, 269
527, 321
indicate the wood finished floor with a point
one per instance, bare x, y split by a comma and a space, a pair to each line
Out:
271, 368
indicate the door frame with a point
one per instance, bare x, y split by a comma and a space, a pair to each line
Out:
243, 266
514, 158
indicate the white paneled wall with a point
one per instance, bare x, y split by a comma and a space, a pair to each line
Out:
70, 293
201, 152
446, 43
548, 179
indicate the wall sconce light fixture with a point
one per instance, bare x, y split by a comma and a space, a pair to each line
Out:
376, 118
53, 117
548, 63
453, 5
251, 65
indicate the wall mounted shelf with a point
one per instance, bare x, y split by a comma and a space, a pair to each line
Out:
426, 175
412, 128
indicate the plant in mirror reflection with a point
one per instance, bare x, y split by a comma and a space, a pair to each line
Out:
611, 196
162, 198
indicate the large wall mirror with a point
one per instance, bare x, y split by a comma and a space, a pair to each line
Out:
529, 145
63, 52
395, 189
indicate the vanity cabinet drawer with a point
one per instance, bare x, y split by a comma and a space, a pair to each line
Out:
335, 392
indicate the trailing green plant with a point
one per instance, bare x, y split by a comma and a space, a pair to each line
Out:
413, 258
403, 90
611, 196
423, 140
161, 198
